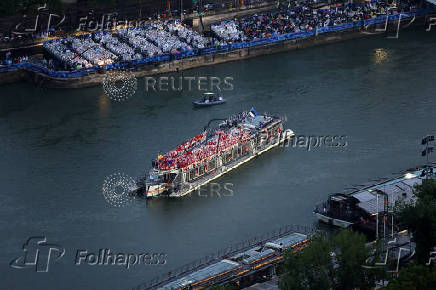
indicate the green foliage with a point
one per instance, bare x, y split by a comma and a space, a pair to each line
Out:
312, 268
351, 255
420, 218
415, 277
222, 287
330, 263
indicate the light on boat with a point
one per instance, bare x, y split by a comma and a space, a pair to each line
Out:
409, 175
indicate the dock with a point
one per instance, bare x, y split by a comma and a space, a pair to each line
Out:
361, 205
241, 265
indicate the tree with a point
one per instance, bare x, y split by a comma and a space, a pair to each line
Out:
420, 218
351, 255
329, 263
415, 277
312, 268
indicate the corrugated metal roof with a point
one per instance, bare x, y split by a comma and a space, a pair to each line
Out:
253, 254
209, 271
396, 190
240, 260
287, 241
363, 196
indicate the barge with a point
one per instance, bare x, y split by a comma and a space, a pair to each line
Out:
212, 153
240, 268
364, 208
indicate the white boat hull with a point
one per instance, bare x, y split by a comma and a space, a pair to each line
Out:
287, 134
332, 221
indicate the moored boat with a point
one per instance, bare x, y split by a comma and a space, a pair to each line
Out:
209, 99
361, 208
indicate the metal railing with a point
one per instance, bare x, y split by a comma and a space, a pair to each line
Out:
225, 253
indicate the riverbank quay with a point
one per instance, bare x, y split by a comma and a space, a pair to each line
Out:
241, 265
208, 16
210, 56
368, 208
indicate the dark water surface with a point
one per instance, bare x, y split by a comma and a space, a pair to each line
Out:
58, 146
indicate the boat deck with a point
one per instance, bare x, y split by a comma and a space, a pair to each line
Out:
396, 189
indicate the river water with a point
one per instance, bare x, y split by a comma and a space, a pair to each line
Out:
58, 146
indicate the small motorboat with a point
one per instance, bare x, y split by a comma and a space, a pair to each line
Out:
209, 99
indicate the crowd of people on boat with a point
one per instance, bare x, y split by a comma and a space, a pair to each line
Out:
188, 154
